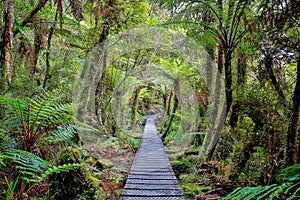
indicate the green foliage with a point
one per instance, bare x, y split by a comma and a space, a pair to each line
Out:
64, 133
33, 168
56, 169
291, 173
135, 143
189, 164
289, 190
75, 184
11, 189
28, 164
33, 117
261, 192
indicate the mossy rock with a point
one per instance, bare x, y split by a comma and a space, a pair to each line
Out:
69, 155
78, 184
179, 167
192, 189
100, 164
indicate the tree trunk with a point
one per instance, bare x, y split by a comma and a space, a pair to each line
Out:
220, 59
168, 105
7, 44
135, 105
175, 106
101, 85
268, 64
100, 95
291, 146
228, 78
30, 16
47, 72
241, 82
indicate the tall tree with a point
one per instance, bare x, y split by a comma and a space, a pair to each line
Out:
279, 45
229, 22
6, 57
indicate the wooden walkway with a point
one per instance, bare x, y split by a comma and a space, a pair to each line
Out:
151, 176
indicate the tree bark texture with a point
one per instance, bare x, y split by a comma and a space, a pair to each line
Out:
241, 82
292, 152
6, 48
47, 72
30, 16
272, 76
228, 78
175, 106
135, 105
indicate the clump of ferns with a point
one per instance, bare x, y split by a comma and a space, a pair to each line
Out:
289, 190
26, 124
29, 120
31, 169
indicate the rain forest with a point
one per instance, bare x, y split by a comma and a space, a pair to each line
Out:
81, 79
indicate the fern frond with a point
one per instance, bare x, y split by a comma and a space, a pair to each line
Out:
55, 169
45, 110
65, 133
37, 115
27, 162
18, 106
262, 192
33, 168
291, 173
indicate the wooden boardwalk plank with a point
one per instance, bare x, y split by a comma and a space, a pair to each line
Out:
151, 175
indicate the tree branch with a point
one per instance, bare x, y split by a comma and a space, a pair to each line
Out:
30, 16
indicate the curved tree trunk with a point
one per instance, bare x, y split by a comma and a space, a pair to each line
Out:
269, 66
47, 72
292, 156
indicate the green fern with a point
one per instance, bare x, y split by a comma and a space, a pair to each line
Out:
189, 164
291, 173
259, 192
33, 117
55, 169
289, 189
64, 133
27, 163
33, 168
265, 192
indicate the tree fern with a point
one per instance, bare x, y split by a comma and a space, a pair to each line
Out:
35, 116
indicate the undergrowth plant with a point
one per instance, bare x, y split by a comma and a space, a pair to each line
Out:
288, 190
29, 119
31, 169
27, 124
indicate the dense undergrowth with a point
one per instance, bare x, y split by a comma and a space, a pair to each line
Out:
41, 156
46, 48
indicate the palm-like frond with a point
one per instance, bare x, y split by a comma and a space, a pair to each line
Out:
291, 173
33, 168
289, 190
27, 163
66, 133
36, 116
